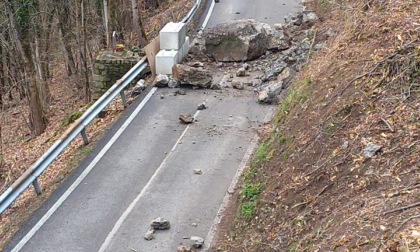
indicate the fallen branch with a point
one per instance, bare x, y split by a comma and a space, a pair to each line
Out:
314, 198
375, 67
388, 125
401, 208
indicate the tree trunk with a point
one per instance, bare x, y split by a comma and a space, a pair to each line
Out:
24, 44
106, 23
137, 24
87, 95
36, 115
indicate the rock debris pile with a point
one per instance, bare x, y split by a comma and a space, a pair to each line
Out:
252, 56
156, 224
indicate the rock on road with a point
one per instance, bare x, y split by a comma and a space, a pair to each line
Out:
150, 170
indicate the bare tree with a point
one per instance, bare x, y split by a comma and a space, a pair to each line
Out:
106, 23
137, 24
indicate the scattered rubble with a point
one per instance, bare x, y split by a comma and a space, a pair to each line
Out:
185, 74
149, 234
198, 171
371, 149
183, 249
269, 93
237, 84
161, 80
179, 92
186, 118
278, 50
197, 241
138, 88
201, 106
241, 72
160, 224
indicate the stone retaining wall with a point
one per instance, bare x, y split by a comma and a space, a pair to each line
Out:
109, 67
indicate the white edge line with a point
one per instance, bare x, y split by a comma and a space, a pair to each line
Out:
206, 20
92, 164
130, 208
232, 187
230, 192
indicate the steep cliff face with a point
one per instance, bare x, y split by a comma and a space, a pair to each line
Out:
339, 169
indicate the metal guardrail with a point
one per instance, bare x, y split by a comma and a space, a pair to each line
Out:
31, 175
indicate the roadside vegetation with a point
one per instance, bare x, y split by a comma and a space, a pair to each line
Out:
64, 43
340, 168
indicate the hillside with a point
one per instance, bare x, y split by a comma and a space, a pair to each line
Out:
340, 169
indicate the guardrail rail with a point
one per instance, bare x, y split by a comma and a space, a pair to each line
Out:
31, 175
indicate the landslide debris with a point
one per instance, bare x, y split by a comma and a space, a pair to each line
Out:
339, 170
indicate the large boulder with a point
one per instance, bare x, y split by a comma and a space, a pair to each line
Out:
195, 76
237, 40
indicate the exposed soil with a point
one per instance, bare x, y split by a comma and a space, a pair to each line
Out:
319, 191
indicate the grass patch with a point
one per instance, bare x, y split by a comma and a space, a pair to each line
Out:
248, 209
295, 96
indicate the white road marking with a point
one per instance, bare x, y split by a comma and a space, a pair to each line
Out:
67, 193
232, 187
229, 193
130, 208
206, 20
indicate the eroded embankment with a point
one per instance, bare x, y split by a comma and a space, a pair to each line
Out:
340, 169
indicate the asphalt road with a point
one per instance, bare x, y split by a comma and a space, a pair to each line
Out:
148, 171
266, 11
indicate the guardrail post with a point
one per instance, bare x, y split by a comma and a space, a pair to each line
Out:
37, 187
84, 136
123, 98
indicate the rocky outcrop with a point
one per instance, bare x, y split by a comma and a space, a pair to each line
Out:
196, 76
237, 40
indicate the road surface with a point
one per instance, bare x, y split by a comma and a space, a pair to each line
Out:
146, 169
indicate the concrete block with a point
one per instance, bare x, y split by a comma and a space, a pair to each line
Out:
185, 48
172, 36
165, 60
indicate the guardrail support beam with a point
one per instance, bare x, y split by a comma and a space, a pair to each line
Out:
37, 187
84, 136
123, 98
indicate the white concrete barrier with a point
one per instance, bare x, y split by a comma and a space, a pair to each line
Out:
172, 36
165, 59
174, 45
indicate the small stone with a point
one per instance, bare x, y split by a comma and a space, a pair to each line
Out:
194, 224
197, 241
162, 97
241, 72
237, 84
173, 83
138, 88
309, 16
161, 80
371, 149
183, 249
149, 234
180, 91
245, 66
237, 13
201, 106
197, 64
198, 171
216, 86
186, 118
160, 224
345, 145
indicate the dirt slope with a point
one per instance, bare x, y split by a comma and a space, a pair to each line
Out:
312, 185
